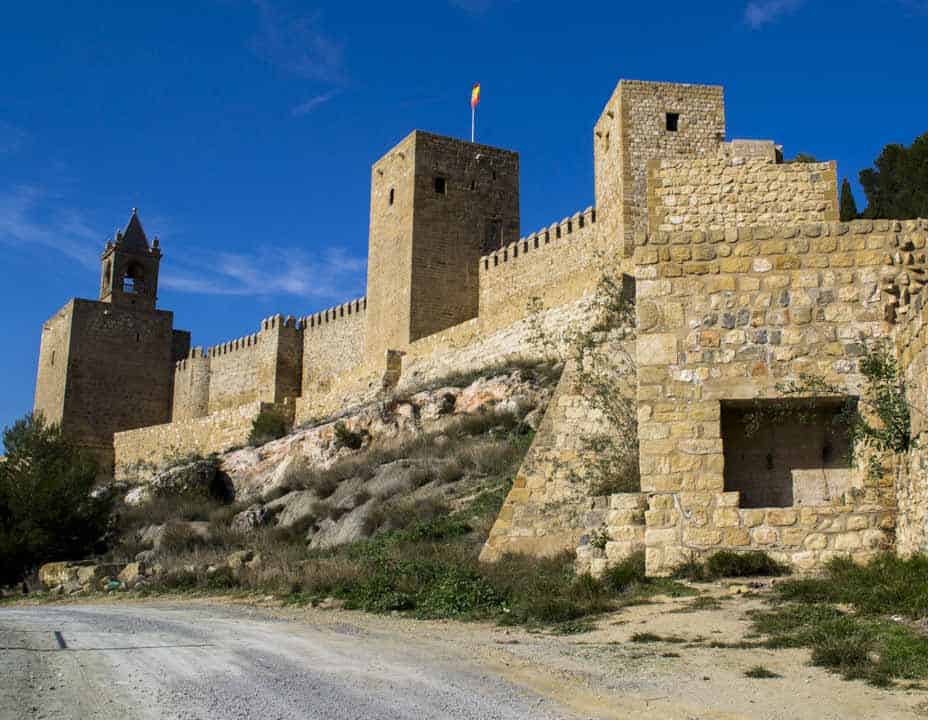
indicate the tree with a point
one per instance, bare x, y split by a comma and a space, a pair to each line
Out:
897, 187
803, 158
848, 205
47, 511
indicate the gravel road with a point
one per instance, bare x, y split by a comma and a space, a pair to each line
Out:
96, 662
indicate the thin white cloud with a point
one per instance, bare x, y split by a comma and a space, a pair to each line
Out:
297, 44
32, 217
26, 219
313, 103
268, 271
763, 12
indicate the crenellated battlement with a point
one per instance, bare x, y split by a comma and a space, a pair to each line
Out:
541, 239
242, 343
337, 312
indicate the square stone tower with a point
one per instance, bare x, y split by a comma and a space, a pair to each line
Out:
437, 204
643, 121
108, 365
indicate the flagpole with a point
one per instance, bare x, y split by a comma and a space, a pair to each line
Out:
473, 115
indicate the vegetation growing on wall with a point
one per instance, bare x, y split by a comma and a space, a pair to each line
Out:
879, 420
605, 369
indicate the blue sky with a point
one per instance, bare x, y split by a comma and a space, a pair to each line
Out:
244, 130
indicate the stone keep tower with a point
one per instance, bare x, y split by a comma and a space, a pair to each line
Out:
437, 204
644, 121
108, 365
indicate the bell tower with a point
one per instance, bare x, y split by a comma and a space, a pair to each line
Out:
130, 268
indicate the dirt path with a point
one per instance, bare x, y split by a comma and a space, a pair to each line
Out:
142, 660
218, 659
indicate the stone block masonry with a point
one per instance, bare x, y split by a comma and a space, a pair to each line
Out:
777, 304
728, 192
151, 446
333, 340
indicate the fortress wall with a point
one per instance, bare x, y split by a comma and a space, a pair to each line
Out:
191, 386
466, 347
729, 315
551, 505
726, 192
911, 487
265, 366
555, 265
217, 432
240, 371
333, 340
54, 354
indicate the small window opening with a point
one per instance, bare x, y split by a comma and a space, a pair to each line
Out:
494, 174
138, 337
52, 362
391, 195
440, 185
473, 185
673, 122
133, 279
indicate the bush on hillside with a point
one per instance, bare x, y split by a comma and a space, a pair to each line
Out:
268, 425
47, 512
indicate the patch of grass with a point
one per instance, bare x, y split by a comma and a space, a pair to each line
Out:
704, 602
574, 627
886, 585
649, 637
759, 672
726, 563
864, 644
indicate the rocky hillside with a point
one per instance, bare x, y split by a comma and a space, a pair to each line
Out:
376, 468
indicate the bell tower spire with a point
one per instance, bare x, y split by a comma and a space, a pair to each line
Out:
130, 267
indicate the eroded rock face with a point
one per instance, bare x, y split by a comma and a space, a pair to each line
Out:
284, 481
198, 476
251, 518
256, 473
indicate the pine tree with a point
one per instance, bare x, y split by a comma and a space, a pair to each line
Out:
897, 185
848, 205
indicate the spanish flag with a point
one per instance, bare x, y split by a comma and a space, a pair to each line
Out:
475, 96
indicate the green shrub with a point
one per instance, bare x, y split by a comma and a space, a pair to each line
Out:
345, 438
268, 425
47, 512
629, 572
759, 672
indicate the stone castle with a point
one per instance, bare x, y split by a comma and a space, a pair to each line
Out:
743, 278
